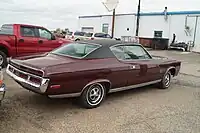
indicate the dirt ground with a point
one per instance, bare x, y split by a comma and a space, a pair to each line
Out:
142, 110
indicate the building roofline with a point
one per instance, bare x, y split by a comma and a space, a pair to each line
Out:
148, 14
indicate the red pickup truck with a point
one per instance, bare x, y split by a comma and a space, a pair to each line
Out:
22, 40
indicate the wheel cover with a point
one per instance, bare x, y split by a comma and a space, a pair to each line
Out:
167, 79
1, 59
95, 94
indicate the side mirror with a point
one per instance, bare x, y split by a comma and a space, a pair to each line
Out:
53, 37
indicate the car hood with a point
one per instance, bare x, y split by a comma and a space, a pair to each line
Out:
43, 61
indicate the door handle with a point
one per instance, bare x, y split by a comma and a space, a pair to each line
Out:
21, 40
132, 67
40, 41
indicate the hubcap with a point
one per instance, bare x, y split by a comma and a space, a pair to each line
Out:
167, 79
1, 59
95, 94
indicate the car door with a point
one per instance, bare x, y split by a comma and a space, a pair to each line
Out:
27, 42
125, 69
141, 64
46, 42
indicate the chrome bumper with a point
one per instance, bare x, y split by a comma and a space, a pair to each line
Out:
2, 92
26, 83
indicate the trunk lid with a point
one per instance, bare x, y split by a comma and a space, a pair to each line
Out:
43, 61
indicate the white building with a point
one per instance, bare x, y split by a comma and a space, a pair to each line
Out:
185, 24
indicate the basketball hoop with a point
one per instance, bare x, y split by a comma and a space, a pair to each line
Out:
110, 4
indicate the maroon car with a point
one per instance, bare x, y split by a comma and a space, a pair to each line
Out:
91, 69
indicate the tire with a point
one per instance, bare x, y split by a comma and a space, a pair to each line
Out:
3, 59
166, 81
93, 96
77, 40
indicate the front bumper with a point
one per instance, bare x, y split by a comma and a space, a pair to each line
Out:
2, 92
26, 83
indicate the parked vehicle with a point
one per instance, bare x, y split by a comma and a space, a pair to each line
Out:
97, 36
91, 69
2, 87
180, 45
76, 36
21, 40
81, 36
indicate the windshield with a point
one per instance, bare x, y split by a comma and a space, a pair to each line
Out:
76, 50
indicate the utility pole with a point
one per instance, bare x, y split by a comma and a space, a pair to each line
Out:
111, 6
138, 19
113, 23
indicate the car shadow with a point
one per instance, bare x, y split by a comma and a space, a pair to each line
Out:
39, 109
45, 103
28, 100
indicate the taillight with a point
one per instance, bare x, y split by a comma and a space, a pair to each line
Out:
72, 37
92, 38
35, 80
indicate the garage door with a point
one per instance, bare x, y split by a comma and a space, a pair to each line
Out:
87, 29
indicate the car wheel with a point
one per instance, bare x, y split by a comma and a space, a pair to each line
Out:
166, 80
93, 96
3, 59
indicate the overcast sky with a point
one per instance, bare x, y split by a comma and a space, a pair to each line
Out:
64, 13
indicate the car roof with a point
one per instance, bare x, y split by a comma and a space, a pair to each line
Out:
104, 51
108, 43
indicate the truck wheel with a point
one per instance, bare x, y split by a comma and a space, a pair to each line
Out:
3, 59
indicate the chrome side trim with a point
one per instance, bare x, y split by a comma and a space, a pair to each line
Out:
133, 86
65, 95
96, 81
111, 91
170, 69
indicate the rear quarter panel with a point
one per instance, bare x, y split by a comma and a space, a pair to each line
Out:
75, 76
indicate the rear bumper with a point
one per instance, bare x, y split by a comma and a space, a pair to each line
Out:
26, 83
2, 92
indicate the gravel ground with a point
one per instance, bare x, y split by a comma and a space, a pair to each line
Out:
142, 110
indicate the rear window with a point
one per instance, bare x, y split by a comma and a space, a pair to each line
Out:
79, 33
76, 50
6, 29
102, 35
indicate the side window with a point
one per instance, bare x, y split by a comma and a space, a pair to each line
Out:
136, 52
130, 52
79, 33
118, 52
45, 34
27, 31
